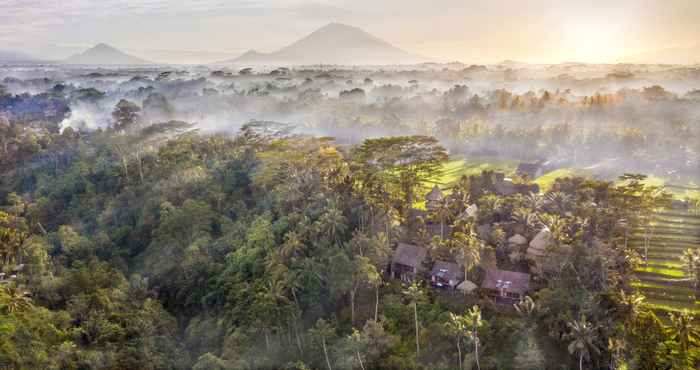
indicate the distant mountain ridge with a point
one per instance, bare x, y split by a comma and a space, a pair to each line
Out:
103, 54
10, 56
680, 55
335, 43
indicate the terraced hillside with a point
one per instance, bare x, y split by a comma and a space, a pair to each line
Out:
663, 280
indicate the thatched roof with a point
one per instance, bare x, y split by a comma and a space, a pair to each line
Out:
529, 169
434, 195
513, 282
466, 286
409, 255
446, 270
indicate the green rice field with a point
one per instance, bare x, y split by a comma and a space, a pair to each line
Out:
663, 279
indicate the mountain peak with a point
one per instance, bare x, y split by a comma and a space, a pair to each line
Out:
103, 46
104, 54
334, 43
338, 26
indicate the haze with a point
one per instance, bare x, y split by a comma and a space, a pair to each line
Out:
469, 31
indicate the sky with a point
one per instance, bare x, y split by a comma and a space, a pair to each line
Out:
471, 31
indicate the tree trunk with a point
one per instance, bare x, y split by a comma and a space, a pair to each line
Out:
359, 358
415, 316
125, 164
298, 340
353, 292
138, 161
476, 349
580, 361
388, 231
459, 353
325, 353
376, 303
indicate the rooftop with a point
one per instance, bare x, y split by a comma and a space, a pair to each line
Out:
511, 281
409, 255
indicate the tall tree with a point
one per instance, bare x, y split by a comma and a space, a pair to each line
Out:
125, 115
684, 331
405, 162
457, 326
630, 307
357, 343
323, 331
467, 249
473, 318
443, 213
691, 263
415, 295
582, 334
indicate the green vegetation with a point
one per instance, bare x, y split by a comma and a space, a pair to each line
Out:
153, 246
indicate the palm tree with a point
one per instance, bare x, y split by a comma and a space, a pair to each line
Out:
356, 342
624, 224
271, 303
473, 318
526, 217
526, 307
457, 326
291, 282
292, 245
534, 201
443, 212
691, 262
376, 282
558, 227
364, 272
378, 254
630, 306
694, 205
415, 294
322, 331
334, 222
468, 250
615, 347
559, 202
683, 331
14, 299
582, 336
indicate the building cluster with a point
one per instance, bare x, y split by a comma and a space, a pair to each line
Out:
411, 262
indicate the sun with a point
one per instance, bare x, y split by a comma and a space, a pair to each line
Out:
593, 41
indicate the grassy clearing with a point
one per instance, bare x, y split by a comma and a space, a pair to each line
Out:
453, 170
547, 180
673, 273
